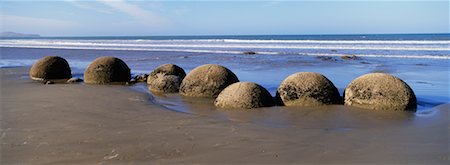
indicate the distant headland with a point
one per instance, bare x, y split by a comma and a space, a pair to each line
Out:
17, 35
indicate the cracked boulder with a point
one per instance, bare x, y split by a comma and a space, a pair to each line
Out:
49, 68
244, 95
207, 81
107, 70
380, 91
307, 89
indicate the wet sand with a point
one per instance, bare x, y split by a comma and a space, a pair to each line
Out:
92, 124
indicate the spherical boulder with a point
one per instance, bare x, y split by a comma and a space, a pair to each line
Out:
106, 70
166, 69
307, 89
380, 91
165, 84
244, 95
50, 67
207, 81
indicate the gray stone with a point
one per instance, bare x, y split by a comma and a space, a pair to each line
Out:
165, 83
307, 89
166, 69
50, 67
380, 91
107, 70
207, 81
244, 95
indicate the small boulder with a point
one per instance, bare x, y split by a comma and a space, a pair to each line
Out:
249, 52
380, 91
350, 57
165, 83
326, 58
207, 81
74, 80
106, 70
141, 78
245, 95
307, 89
166, 69
50, 67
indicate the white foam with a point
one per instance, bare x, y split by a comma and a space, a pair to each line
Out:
379, 56
75, 44
343, 41
240, 52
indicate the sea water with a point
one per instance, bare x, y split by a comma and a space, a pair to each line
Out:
421, 60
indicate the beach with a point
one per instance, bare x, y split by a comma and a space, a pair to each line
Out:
127, 124
95, 124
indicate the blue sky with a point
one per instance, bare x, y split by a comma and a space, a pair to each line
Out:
121, 18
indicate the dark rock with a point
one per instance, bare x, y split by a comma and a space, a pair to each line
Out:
326, 58
207, 81
350, 57
107, 70
380, 91
50, 67
307, 89
249, 52
244, 95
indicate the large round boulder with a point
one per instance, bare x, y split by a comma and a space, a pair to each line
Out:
165, 84
307, 89
245, 95
106, 70
166, 69
50, 67
380, 91
207, 81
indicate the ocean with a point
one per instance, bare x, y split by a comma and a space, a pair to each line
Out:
421, 60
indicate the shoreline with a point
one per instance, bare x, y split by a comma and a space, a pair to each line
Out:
112, 124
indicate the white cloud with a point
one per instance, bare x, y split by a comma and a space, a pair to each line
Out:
144, 17
88, 5
41, 26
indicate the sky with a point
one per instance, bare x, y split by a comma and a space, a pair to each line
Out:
145, 18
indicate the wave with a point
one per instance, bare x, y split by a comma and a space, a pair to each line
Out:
240, 52
230, 46
412, 42
339, 41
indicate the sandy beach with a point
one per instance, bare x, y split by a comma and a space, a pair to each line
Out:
98, 124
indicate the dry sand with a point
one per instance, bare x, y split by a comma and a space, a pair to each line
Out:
93, 124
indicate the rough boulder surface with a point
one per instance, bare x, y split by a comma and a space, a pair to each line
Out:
207, 81
307, 89
165, 84
380, 91
106, 70
245, 95
166, 69
50, 67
